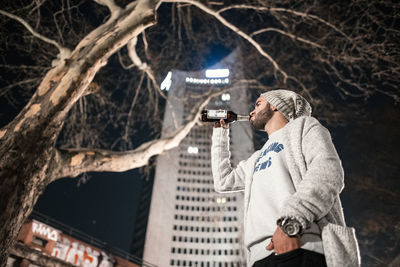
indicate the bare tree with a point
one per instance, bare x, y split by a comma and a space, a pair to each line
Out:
55, 55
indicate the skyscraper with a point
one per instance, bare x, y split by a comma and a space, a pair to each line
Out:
189, 223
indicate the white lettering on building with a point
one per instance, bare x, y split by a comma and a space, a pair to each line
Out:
44, 230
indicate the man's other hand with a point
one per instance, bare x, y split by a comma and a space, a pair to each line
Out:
222, 124
282, 243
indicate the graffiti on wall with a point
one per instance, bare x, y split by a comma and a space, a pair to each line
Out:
71, 250
80, 254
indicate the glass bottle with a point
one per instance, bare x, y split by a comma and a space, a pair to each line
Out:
213, 115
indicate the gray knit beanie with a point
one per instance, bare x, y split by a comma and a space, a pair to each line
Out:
289, 103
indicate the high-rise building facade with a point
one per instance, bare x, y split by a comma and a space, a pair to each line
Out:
189, 223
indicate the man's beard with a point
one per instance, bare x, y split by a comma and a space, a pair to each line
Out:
262, 118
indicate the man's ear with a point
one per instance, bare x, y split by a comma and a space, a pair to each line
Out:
273, 108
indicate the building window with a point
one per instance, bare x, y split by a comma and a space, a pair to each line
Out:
39, 241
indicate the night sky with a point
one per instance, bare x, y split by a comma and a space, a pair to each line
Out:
103, 207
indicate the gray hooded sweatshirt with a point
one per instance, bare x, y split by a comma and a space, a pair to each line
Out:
317, 175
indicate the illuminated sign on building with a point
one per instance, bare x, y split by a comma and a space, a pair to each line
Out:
217, 73
166, 84
207, 81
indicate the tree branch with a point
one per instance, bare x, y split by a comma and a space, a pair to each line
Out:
4, 90
294, 12
110, 4
133, 103
294, 37
68, 81
232, 27
72, 162
314, 17
64, 52
143, 66
347, 81
146, 45
134, 56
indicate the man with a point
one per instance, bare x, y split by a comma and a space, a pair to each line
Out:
292, 215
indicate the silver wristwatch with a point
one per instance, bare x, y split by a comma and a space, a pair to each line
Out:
290, 226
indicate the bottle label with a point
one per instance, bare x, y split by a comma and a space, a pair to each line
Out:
217, 114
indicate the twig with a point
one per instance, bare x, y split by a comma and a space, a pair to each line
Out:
294, 12
294, 37
64, 52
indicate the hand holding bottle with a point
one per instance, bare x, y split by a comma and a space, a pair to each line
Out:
222, 124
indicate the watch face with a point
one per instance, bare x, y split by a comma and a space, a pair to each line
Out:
291, 228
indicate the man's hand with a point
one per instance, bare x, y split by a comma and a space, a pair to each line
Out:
282, 243
222, 124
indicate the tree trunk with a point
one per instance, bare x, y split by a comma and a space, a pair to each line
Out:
24, 173
27, 144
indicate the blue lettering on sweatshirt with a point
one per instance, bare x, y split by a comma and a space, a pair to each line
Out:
274, 147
